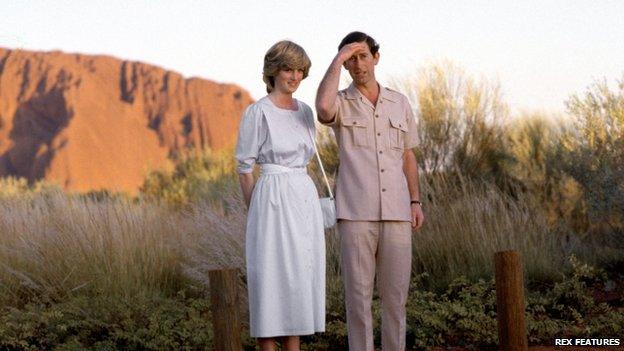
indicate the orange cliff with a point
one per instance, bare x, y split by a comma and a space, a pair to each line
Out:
97, 122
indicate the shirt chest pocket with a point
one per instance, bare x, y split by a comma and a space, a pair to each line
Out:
356, 130
397, 130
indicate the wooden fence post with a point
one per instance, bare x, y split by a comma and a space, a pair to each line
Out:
225, 310
510, 301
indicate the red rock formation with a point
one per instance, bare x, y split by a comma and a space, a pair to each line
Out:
96, 122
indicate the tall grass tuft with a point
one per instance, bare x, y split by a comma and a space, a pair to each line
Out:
54, 246
467, 223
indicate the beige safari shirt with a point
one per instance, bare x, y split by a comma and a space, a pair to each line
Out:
371, 185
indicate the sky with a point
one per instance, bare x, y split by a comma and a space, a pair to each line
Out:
540, 52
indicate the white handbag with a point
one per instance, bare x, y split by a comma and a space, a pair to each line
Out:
328, 204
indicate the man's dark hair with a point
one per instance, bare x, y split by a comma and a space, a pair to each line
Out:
358, 37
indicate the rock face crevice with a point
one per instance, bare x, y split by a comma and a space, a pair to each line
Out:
37, 123
128, 81
97, 122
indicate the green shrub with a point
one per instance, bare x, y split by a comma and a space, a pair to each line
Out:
13, 187
104, 323
199, 175
465, 314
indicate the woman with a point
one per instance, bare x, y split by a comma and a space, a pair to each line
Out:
285, 243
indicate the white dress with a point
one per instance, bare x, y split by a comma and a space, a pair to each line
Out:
285, 242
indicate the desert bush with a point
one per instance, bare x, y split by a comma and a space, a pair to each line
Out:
460, 121
19, 187
592, 152
199, 175
532, 141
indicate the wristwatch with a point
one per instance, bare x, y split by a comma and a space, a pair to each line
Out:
416, 202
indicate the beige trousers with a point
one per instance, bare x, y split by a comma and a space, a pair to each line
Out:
385, 246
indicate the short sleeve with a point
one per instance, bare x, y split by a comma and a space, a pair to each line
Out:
249, 138
411, 140
337, 116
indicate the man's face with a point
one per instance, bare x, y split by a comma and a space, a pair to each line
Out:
361, 66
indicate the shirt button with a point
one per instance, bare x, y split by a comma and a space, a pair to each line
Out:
381, 152
378, 134
377, 115
382, 170
354, 122
383, 190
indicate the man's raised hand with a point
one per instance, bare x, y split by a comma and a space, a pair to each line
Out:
349, 50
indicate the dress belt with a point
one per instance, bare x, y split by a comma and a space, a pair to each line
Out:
271, 168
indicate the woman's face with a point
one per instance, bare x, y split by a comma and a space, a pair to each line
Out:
287, 80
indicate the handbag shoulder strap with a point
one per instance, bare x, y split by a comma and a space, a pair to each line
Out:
320, 162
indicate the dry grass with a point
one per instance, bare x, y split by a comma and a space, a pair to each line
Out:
216, 237
55, 245
467, 223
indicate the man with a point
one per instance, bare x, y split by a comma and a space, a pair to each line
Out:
377, 195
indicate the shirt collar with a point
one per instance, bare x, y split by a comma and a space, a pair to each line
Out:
387, 94
352, 93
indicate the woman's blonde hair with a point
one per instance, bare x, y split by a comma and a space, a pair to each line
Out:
284, 55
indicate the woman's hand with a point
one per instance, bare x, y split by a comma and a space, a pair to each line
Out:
247, 184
